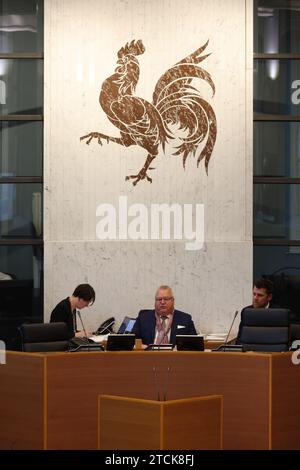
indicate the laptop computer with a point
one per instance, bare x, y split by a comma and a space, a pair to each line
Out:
126, 325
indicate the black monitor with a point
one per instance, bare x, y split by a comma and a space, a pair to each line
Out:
189, 343
126, 325
119, 342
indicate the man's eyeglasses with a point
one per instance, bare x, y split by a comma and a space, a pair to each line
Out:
165, 299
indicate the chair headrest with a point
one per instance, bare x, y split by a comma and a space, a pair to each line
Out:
266, 317
44, 332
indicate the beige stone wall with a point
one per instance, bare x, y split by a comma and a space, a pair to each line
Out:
81, 44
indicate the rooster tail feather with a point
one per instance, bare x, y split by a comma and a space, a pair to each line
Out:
210, 143
184, 151
178, 78
200, 111
185, 155
194, 57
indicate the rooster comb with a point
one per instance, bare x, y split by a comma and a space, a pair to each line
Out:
133, 47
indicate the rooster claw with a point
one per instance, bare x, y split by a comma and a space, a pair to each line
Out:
90, 136
95, 135
139, 177
142, 175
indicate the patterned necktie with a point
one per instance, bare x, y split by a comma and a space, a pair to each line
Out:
162, 337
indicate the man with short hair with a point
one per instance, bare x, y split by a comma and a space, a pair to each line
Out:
65, 311
262, 293
161, 325
262, 296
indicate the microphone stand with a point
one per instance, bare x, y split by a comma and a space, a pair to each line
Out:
85, 334
226, 340
167, 383
86, 344
156, 383
157, 387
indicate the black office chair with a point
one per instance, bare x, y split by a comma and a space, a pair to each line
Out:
265, 329
294, 335
40, 337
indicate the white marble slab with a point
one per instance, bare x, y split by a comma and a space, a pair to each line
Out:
81, 44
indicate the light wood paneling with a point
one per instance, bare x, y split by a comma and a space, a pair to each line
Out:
22, 402
60, 390
191, 423
285, 403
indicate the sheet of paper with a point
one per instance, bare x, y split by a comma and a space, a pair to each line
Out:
99, 338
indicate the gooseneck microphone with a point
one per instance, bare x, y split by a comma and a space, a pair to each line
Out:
229, 331
167, 383
85, 334
156, 383
164, 395
84, 343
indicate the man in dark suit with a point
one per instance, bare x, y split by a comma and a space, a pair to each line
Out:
262, 296
161, 325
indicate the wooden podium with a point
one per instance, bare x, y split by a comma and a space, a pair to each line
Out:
50, 400
132, 423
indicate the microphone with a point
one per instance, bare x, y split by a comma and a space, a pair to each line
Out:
157, 387
105, 327
226, 340
156, 383
84, 343
167, 383
85, 334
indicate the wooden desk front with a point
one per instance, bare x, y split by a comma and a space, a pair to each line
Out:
49, 401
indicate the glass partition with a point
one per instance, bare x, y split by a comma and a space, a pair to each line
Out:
276, 211
21, 85
276, 149
21, 148
21, 210
277, 86
21, 274
276, 26
21, 26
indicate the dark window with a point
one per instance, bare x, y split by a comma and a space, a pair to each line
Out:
21, 210
21, 166
276, 149
276, 211
21, 148
277, 86
276, 164
21, 86
276, 26
21, 26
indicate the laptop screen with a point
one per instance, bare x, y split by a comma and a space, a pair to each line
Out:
126, 325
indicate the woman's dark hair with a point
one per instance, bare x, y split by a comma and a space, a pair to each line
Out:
85, 292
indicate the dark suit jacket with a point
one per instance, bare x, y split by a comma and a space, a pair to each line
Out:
238, 338
144, 327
